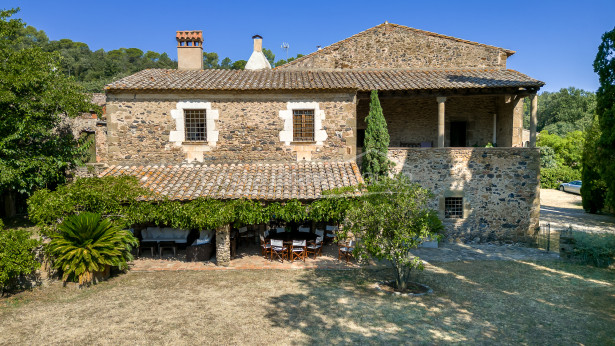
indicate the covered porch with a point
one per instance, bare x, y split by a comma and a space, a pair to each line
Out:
469, 108
276, 195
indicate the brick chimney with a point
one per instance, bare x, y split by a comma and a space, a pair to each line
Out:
257, 60
189, 50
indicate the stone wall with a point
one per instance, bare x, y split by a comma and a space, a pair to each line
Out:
499, 186
248, 126
415, 120
394, 46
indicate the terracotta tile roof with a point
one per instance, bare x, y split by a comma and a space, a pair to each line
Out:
301, 180
362, 80
367, 31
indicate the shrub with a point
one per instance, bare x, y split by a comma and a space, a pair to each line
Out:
550, 178
595, 248
17, 256
86, 246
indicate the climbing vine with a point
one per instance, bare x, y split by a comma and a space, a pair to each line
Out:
125, 202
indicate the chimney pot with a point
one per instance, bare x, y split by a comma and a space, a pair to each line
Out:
189, 49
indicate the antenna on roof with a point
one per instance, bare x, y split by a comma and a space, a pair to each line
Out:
285, 47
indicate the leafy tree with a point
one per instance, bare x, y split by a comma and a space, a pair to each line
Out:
269, 55
391, 219
604, 66
568, 148
16, 256
87, 246
226, 63
210, 60
560, 158
375, 162
34, 152
593, 189
567, 110
239, 65
282, 61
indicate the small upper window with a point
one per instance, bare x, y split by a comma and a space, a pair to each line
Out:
195, 125
453, 207
303, 125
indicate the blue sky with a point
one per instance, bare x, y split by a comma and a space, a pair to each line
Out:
556, 41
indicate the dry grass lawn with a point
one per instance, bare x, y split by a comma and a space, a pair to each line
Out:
479, 302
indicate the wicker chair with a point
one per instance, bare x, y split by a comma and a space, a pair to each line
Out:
298, 250
345, 250
278, 249
314, 247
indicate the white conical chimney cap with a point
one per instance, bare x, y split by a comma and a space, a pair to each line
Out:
258, 60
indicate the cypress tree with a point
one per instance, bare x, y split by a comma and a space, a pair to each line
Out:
604, 66
593, 190
375, 162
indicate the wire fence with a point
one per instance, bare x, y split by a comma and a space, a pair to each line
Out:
549, 237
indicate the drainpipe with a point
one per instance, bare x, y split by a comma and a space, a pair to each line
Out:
495, 117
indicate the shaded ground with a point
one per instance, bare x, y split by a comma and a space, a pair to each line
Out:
500, 302
249, 257
563, 209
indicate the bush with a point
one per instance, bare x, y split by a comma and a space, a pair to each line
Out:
87, 246
595, 248
550, 178
17, 256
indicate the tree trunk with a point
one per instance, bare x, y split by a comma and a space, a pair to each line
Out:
402, 274
9, 204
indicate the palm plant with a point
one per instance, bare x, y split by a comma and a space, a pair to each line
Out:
87, 245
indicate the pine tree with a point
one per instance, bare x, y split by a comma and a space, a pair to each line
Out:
375, 162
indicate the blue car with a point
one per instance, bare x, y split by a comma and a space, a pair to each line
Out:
573, 186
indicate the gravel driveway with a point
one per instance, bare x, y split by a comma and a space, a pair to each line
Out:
563, 209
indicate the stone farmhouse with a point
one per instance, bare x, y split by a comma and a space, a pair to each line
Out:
296, 130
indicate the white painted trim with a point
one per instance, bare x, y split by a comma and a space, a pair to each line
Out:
286, 135
178, 135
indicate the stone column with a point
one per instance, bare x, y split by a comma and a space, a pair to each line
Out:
533, 120
441, 101
223, 245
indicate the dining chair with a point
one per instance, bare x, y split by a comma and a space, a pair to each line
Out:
345, 250
265, 247
303, 229
298, 250
330, 232
278, 249
314, 247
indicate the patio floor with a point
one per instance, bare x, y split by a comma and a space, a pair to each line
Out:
248, 257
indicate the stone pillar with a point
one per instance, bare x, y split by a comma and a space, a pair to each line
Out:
495, 129
223, 245
533, 120
441, 101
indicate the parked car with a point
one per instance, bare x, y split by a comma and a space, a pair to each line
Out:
573, 186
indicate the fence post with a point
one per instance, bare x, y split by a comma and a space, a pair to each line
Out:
548, 236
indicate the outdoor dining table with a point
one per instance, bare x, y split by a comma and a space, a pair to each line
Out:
290, 236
